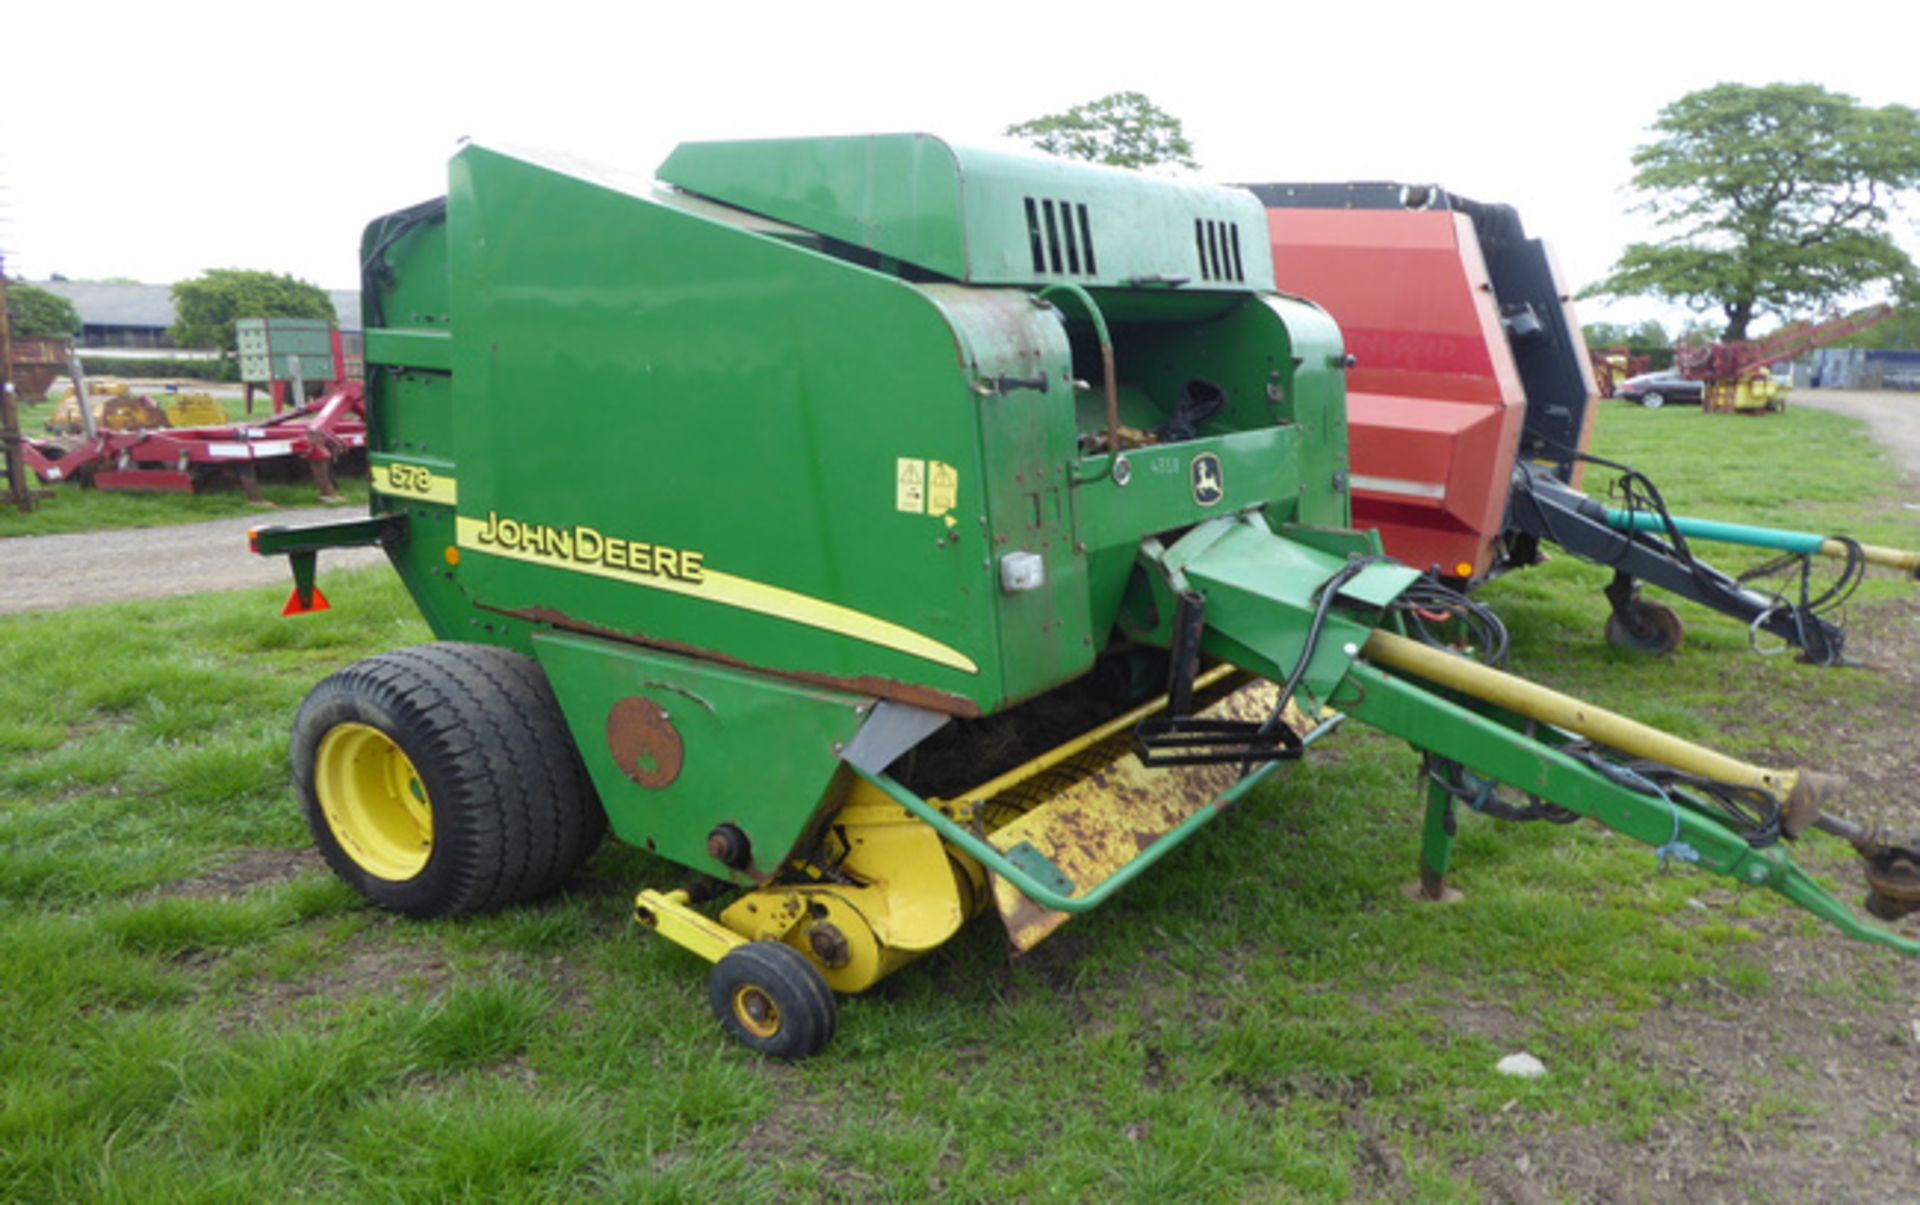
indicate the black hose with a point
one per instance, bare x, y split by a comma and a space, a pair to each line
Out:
1753, 813
1352, 569
1428, 597
375, 272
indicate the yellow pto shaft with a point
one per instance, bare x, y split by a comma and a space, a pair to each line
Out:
1803, 792
1890, 558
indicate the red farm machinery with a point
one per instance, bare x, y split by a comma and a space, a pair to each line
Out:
1613, 365
149, 456
1736, 375
1471, 402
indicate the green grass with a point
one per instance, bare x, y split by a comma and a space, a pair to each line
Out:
73, 509
1264, 1016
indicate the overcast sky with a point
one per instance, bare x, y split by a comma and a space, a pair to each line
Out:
154, 141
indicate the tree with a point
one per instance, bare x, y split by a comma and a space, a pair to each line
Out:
1642, 336
1777, 197
1696, 334
1123, 129
37, 314
204, 309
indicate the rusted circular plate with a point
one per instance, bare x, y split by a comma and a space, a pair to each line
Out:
644, 743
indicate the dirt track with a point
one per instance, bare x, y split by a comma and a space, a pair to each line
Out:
1894, 418
44, 573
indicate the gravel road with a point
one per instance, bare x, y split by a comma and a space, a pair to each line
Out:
1893, 417
43, 573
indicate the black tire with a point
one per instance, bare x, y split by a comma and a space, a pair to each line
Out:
770, 999
1648, 627
1653, 401
480, 740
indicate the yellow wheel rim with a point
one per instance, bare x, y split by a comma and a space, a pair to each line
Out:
756, 1011
374, 801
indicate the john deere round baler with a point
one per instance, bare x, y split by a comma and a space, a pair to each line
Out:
884, 532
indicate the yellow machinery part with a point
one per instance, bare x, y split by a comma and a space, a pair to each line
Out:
898, 890
131, 414
1604, 727
1093, 812
1088, 808
1755, 393
66, 415
904, 893
669, 914
1891, 558
907, 893
195, 410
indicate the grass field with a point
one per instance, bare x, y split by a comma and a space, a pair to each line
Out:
72, 508
191, 1009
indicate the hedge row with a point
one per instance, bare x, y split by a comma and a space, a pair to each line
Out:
145, 367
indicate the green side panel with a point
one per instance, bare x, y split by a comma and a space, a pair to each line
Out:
411, 291
1280, 439
410, 426
1316, 395
410, 421
1255, 468
829, 186
1259, 590
703, 745
678, 383
989, 217
411, 349
1340, 541
412, 415
1029, 442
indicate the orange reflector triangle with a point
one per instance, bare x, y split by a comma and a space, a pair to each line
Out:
293, 606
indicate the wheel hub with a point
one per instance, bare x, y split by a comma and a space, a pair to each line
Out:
756, 1011
374, 801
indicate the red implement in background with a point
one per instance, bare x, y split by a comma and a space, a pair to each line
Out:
1434, 402
182, 459
1736, 373
176, 460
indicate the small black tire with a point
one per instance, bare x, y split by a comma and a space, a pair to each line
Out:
1648, 627
441, 780
771, 1000
1653, 401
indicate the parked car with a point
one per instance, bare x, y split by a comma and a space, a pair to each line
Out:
1655, 389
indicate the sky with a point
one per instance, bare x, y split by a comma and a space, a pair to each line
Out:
160, 140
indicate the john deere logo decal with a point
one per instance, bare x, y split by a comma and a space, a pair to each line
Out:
1205, 474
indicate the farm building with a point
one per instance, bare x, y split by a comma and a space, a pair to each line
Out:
136, 316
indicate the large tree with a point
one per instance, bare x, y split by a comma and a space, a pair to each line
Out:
204, 309
1777, 198
1123, 129
36, 313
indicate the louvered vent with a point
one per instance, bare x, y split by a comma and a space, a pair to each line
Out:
1060, 238
1218, 245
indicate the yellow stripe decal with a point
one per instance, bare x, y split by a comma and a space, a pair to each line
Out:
399, 480
731, 591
